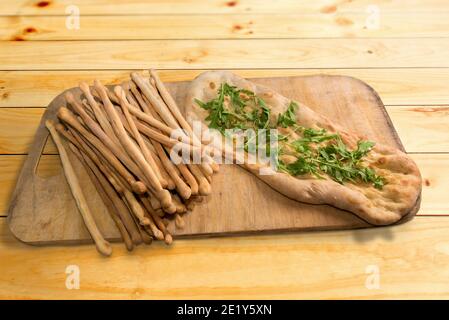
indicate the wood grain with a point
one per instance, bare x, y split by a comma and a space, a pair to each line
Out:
422, 128
348, 101
188, 54
117, 7
10, 165
215, 26
410, 86
412, 259
16, 136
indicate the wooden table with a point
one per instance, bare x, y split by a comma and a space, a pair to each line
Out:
401, 48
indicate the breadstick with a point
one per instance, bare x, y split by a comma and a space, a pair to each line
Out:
87, 108
102, 136
170, 183
106, 200
138, 97
180, 207
190, 204
135, 207
83, 146
182, 188
102, 245
189, 178
67, 116
172, 106
203, 184
162, 194
179, 222
109, 174
98, 112
146, 238
158, 221
206, 160
122, 210
155, 101
136, 134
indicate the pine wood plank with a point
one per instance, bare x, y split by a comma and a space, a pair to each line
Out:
188, 54
17, 129
422, 128
410, 86
57, 7
215, 26
411, 258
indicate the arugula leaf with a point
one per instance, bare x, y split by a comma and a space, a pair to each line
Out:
317, 152
288, 118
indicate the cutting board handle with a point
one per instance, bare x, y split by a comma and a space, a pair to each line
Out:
28, 172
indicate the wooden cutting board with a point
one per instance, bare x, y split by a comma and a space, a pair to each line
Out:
43, 211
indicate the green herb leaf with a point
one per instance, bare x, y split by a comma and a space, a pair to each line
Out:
288, 118
317, 152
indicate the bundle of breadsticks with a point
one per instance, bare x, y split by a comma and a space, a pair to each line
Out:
123, 138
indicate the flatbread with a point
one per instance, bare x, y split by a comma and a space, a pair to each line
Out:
378, 207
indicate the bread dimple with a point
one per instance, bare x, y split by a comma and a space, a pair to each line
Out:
379, 207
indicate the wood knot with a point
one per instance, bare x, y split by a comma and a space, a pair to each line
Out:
43, 4
344, 21
328, 9
236, 27
29, 30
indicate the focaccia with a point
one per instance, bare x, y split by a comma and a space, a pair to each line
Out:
378, 206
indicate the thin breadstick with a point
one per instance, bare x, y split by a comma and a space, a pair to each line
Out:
180, 207
179, 222
158, 234
172, 106
155, 203
184, 189
206, 160
99, 114
189, 178
204, 187
155, 101
146, 237
102, 245
162, 194
136, 134
67, 116
158, 221
181, 186
87, 108
170, 183
106, 200
190, 204
122, 210
138, 97
136, 208
73, 136
102, 136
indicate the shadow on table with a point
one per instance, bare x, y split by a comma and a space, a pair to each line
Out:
366, 235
